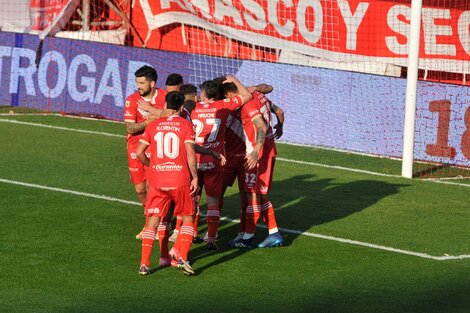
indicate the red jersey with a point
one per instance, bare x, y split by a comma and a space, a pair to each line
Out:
210, 122
266, 109
258, 106
133, 114
169, 162
235, 137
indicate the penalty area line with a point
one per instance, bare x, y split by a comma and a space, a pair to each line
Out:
286, 230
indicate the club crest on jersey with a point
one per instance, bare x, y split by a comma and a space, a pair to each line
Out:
128, 103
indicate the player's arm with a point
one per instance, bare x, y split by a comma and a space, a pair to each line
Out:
134, 128
147, 106
206, 151
243, 92
280, 120
263, 88
140, 152
192, 163
261, 129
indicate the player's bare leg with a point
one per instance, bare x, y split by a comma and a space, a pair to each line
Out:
141, 191
163, 233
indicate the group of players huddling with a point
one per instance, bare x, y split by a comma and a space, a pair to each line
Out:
178, 144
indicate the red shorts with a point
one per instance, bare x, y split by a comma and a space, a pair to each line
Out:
158, 201
259, 179
137, 169
212, 181
234, 168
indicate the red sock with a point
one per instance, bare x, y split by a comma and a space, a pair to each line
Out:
186, 234
163, 234
253, 211
269, 217
179, 220
148, 238
212, 219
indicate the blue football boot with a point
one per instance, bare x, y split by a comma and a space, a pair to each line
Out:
273, 240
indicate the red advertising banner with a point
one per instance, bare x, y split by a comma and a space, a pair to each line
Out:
353, 30
49, 17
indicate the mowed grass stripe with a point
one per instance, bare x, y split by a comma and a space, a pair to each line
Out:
341, 168
298, 232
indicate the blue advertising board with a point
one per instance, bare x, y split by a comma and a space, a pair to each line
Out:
330, 108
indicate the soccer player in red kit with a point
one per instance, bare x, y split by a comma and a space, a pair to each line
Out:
210, 121
140, 109
260, 158
234, 168
172, 178
235, 149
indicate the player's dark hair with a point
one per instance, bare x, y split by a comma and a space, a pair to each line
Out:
219, 80
210, 88
189, 105
228, 87
174, 79
174, 100
188, 89
148, 72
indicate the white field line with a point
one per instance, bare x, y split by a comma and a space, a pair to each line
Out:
278, 158
77, 193
286, 230
61, 128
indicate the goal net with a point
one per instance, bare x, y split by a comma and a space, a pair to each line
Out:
338, 67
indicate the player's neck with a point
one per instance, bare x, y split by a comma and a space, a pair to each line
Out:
151, 95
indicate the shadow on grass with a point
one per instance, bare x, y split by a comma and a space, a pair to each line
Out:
300, 202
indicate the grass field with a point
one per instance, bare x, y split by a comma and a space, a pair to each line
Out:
358, 238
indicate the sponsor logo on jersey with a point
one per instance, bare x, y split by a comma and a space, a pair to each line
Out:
143, 112
206, 109
205, 166
128, 114
209, 145
168, 167
133, 156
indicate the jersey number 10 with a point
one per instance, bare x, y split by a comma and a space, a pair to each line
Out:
167, 145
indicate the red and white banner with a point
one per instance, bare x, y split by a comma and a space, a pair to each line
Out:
49, 17
341, 30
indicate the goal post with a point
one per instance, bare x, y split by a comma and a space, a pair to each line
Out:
411, 89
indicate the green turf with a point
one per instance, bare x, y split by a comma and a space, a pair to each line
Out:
67, 253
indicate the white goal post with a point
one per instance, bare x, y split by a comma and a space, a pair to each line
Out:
411, 89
